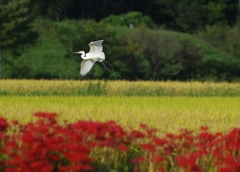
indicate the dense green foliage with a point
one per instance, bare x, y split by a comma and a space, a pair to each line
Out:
130, 19
16, 34
184, 15
136, 53
224, 38
136, 43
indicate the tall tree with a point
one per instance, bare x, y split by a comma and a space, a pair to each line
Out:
16, 33
192, 15
50, 9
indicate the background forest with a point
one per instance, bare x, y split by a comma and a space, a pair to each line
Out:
147, 40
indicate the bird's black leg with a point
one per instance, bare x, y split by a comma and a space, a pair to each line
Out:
105, 66
108, 63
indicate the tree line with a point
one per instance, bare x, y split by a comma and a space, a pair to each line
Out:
172, 56
184, 15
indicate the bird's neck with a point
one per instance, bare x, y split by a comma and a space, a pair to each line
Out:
83, 54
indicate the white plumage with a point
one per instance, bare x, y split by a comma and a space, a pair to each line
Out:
95, 54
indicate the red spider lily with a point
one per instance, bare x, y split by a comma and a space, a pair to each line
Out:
92, 144
187, 161
159, 141
195, 168
149, 132
123, 148
157, 159
107, 143
169, 149
136, 134
204, 128
170, 135
118, 132
41, 166
205, 136
45, 145
225, 169
148, 147
136, 169
15, 122
3, 124
45, 115
76, 157
229, 160
50, 117
234, 168
139, 159
233, 139
2, 135
143, 126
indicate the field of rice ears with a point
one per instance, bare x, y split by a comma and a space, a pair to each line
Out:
167, 106
116, 88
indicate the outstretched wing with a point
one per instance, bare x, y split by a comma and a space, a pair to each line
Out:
86, 66
96, 47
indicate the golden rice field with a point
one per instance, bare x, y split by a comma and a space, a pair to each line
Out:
176, 108
116, 88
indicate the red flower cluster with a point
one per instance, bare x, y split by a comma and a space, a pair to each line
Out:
194, 152
45, 145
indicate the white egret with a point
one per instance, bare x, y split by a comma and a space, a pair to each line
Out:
95, 54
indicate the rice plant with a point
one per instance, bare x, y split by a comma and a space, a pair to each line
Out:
168, 114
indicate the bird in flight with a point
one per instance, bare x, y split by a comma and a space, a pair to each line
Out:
95, 54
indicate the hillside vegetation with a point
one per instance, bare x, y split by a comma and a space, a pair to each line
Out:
135, 53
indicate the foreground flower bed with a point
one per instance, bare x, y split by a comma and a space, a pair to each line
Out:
45, 145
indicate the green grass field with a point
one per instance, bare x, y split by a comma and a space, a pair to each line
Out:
168, 114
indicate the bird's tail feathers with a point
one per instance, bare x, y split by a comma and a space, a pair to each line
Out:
102, 56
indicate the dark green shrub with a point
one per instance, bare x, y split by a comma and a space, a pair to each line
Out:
220, 70
131, 19
223, 38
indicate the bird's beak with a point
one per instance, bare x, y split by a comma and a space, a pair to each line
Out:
76, 52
